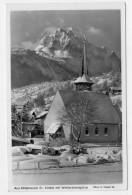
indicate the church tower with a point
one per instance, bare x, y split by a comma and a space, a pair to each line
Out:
84, 82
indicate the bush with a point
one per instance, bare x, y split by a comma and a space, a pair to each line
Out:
90, 160
58, 142
115, 151
50, 151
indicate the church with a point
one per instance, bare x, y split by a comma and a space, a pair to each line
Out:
83, 114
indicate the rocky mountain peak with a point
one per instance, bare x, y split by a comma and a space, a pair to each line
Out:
68, 43
58, 56
60, 43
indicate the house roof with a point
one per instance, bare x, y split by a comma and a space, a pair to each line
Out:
28, 123
20, 139
42, 114
118, 111
103, 110
115, 88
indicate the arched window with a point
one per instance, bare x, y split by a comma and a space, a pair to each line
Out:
96, 131
86, 131
106, 130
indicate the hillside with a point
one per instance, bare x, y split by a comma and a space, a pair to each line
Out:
20, 96
58, 57
48, 89
27, 68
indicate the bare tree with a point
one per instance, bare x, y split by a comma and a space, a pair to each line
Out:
78, 113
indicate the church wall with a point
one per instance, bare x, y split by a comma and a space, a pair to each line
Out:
93, 135
113, 134
67, 130
55, 113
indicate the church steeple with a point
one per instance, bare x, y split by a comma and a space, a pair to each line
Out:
84, 82
84, 61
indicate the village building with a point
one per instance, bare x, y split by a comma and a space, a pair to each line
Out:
30, 128
41, 117
115, 90
18, 141
83, 114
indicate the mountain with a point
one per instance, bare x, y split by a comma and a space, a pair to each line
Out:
27, 68
58, 57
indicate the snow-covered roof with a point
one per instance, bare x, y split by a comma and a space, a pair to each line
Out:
20, 139
54, 127
115, 88
42, 114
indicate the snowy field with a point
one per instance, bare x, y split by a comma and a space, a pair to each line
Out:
98, 165
109, 173
25, 157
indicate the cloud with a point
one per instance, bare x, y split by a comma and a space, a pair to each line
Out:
28, 45
48, 30
94, 31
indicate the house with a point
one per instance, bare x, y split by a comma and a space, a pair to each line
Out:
115, 90
82, 114
18, 141
41, 117
29, 128
40, 121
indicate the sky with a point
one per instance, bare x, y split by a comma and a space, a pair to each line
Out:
102, 27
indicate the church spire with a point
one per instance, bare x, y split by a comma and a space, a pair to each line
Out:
84, 59
84, 82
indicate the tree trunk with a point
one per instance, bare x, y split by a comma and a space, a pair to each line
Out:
76, 137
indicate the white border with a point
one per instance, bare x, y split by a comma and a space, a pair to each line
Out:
72, 6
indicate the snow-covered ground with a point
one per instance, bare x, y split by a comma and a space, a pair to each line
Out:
99, 165
24, 158
108, 173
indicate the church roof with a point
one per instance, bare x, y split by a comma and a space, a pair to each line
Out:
83, 79
104, 111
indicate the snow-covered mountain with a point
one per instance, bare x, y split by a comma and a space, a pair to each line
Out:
58, 57
62, 43
68, 44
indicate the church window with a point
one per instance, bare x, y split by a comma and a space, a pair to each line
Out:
86, 131
106, 130
96, 131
